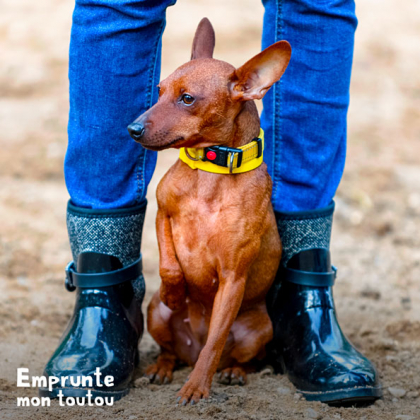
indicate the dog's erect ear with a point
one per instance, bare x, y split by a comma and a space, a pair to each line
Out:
256, 76
204, 40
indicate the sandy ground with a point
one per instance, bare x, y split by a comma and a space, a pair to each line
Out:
376, 241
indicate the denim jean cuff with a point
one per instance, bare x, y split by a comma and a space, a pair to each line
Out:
304, 230
115, 232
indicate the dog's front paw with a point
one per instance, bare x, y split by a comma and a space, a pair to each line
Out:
194, 390
173, 296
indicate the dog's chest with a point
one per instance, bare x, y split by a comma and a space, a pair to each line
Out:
201, 228
198, 221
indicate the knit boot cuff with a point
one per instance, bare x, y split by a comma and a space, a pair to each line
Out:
112, 232
304, 230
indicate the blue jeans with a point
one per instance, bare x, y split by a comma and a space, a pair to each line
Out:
114, 69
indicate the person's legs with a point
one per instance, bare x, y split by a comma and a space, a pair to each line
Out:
304, 119
305, 113
114, 70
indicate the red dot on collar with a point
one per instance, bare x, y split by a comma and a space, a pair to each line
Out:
210, 155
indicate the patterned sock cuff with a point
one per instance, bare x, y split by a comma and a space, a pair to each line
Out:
112, 232
304, 230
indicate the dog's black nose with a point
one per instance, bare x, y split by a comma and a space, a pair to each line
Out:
136, 130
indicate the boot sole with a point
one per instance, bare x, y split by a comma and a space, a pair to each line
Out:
82, 393
359, 395
339, 397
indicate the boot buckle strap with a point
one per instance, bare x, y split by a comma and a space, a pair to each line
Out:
95, 280
68, 282
309, 278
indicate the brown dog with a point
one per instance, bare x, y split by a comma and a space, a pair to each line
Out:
218, 241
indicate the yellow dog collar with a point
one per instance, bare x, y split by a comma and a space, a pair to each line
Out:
225, 160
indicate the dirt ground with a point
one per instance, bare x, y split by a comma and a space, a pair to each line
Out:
376, 241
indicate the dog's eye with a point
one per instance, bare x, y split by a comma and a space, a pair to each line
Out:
187, 99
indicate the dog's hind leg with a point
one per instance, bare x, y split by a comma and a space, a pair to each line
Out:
158, 325
235, 375
251, 331
161, 371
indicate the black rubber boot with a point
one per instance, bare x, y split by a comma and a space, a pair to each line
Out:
107, 322
308, 343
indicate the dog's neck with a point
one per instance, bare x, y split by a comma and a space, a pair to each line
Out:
246, 125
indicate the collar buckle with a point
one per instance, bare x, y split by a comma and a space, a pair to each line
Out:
223, 156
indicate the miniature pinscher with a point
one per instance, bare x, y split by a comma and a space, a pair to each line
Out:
218, 241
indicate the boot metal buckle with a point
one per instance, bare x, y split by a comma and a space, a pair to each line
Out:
68, 283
